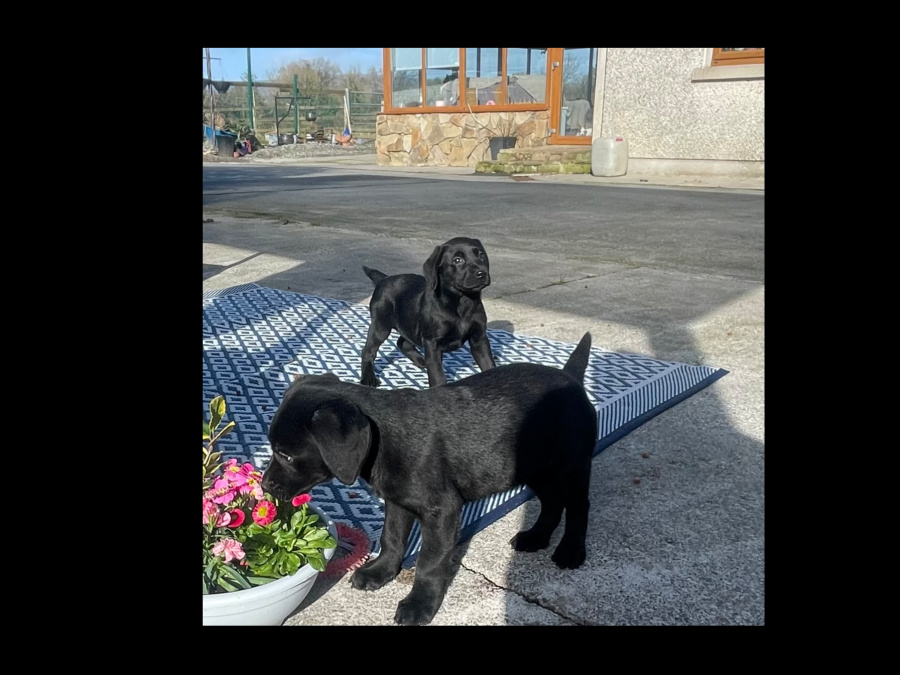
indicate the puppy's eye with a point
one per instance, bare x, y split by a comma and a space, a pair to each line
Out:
286, 458
457, 260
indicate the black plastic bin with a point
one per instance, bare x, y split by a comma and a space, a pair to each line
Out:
498, 143
225, 144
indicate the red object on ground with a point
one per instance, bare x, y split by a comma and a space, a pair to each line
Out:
352, 559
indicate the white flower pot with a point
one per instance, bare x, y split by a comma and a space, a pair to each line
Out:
269, 604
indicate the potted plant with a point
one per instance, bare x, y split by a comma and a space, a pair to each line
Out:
261, 556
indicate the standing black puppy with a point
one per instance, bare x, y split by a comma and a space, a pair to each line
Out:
438, 312
427, 452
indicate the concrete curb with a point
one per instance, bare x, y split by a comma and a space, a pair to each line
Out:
367, 163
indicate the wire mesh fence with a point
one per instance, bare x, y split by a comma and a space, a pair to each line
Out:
275, 111
364, 109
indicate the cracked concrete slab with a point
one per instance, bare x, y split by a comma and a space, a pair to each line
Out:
472, 600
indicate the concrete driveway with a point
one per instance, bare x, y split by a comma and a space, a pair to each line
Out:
676, 534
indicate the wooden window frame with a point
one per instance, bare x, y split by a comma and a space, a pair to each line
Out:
461, 106
720, 58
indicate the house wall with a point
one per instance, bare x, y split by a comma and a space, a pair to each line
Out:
453, 139
677, 113
670, 106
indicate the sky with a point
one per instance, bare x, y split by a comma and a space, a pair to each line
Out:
233, 63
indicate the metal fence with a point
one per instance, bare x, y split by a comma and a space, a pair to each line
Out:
364, 108
332, 107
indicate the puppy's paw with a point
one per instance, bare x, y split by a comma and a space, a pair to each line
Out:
371, 576
369, 380
569, 555
411, 612
529, 541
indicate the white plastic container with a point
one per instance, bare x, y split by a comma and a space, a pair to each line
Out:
269, 604
609, 156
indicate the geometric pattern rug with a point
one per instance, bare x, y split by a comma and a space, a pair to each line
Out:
255, 339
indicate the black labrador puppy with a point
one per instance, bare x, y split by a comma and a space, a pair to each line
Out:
438, 312
428, 452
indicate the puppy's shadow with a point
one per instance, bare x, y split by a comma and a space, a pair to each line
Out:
502, 324
461, 363
384, 360
321, 586
406, 577
457, 364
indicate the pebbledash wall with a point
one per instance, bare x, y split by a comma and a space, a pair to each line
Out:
678, 113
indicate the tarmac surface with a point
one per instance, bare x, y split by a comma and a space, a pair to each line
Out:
670, 267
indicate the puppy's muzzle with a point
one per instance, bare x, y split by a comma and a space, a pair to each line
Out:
275, 485
478, 280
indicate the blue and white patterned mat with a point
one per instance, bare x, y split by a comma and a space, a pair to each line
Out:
256, 339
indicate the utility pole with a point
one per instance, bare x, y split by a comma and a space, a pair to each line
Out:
249, 90
212, 102
296, 109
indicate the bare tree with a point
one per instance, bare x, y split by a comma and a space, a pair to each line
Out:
314, 78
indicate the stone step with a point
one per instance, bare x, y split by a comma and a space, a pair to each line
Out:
567, 154
510, 168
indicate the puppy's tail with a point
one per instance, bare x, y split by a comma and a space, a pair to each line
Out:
374, 275
578, 361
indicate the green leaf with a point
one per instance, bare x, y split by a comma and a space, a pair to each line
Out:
209, 568
227, 586
328, 542
293, 563
205, 434
234, 575
264, 570
216, 411
317, 563
316, 535
259, 581
224, 431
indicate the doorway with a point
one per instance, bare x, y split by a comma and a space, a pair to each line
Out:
573, 72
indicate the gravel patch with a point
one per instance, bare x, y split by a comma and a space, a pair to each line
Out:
300, 150
296, 151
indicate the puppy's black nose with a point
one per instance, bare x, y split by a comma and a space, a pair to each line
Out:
480, 274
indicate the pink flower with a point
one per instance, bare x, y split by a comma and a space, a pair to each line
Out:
209, 510
223, 519
248, 470
300, 500
253, 486
229, 548
222, 491
264, 513
234, 473
237, 518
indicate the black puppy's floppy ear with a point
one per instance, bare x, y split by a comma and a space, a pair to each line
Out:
481, 246
432, 267
343, 435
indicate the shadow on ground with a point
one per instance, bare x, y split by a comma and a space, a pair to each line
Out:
676, 532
